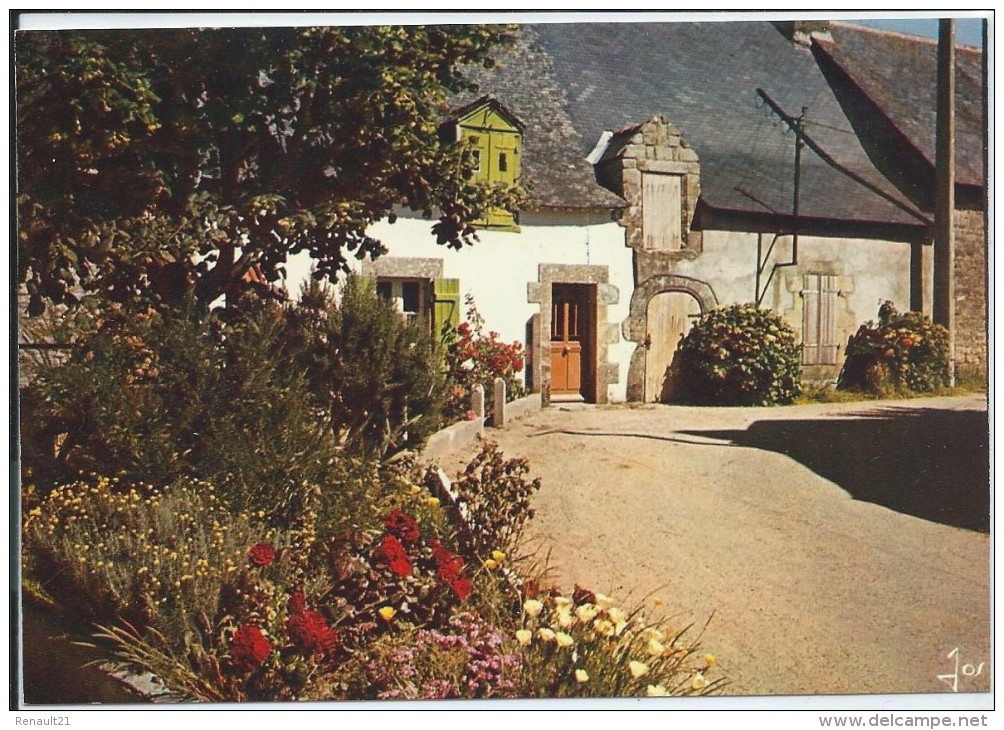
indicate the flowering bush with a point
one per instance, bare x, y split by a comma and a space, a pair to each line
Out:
465, 658
738, 355
493, 497
586, 646
902, 353
473, 358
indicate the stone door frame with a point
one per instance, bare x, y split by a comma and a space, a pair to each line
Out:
605, 334
635, 327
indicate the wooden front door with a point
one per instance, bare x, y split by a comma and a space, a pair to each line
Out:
568, 327
668, 319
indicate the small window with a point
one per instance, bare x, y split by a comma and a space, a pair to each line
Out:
476, 155
411, 297
503, 162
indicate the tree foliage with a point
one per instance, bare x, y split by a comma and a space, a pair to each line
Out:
157, 163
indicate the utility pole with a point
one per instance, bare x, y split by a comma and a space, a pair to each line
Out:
944, 202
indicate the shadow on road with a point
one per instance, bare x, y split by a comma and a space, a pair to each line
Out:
930, 463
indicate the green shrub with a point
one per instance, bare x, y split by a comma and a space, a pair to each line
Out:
738, 355
903, 353
156, 398
380, 379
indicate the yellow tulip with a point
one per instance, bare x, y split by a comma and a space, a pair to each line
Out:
387, 613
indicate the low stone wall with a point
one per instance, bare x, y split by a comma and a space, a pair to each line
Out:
458, 435
452, 438
522, 407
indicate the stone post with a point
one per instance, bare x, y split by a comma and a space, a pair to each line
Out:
478, 406
498, 416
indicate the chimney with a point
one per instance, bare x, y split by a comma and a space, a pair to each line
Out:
801, 32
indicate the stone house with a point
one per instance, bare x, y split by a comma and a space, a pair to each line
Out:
666, 179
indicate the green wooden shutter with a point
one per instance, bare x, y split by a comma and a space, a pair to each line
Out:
446, 305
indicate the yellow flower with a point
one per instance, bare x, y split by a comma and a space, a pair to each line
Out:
586, 612
532, 607
603, 627
638, 669
603, 602
415, 489
581, 676
617, 615
432, 501
563, 603
546, 634
655, 648
491, 564
657, 690
699, 682
498, 556
387, 613
563, 639
565, 618
524, 636
709, 659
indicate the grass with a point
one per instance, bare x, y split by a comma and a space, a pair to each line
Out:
968, 381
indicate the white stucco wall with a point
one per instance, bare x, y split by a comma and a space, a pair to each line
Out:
869, 272
497, 269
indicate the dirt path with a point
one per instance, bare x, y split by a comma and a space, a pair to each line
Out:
842, 548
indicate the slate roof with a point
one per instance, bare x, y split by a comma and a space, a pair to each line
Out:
899, 74
703, 77
552, 160
571, 82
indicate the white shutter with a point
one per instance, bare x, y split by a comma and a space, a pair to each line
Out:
810, 319
662, 223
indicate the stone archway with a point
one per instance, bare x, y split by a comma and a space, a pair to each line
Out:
635, 327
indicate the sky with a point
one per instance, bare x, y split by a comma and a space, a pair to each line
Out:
968, 31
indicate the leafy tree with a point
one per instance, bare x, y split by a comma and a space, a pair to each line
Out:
159, 163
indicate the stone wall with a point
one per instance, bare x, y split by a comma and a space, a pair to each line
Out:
970, 289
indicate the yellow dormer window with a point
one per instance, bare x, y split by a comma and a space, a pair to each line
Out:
496, 138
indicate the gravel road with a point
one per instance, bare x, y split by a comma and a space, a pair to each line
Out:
842, 548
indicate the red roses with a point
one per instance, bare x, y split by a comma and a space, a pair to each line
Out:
392, 552
402, 526
448, 569
248, 649
262, 554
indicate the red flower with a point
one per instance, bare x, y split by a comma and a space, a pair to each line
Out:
906, 342
464, 329
462, 588
310, 634
392, 552
517, 364
248, 649
261, 554
470, 415
401, 526
448, 565
583, 595
297, 603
